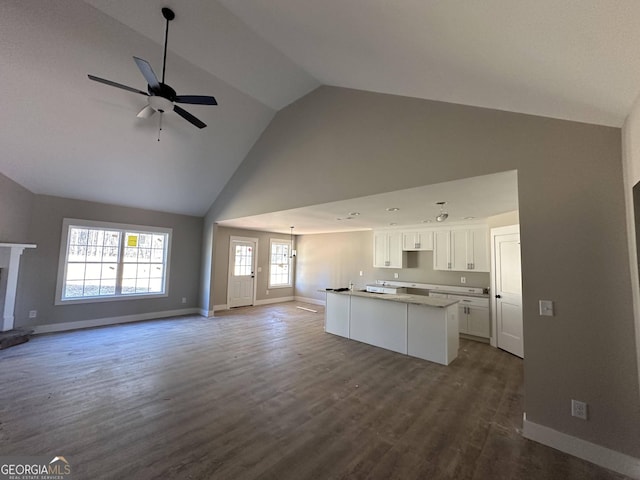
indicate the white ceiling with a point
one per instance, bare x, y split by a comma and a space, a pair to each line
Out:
64, 135
471, 198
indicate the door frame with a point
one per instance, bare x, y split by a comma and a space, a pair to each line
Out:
230, 266
509, 229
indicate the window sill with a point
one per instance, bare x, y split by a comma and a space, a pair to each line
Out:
77, 301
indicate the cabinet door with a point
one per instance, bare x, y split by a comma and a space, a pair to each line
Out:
441, 246
462, 319
478, 249
410, 241
426, 240
417, 240
380, 256
394, 248
459, 250
478, 322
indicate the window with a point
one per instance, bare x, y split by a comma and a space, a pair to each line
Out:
280, 264
102, 261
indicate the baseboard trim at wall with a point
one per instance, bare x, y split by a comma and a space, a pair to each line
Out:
101, 322
206, 313
268, 301
315, 301
220, 307
616, 461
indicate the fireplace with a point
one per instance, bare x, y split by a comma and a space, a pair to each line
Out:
10, 254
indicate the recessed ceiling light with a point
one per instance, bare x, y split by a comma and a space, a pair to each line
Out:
393, 224
392, 209
469, 218
348, 218
354, 214
427, 221
338, 219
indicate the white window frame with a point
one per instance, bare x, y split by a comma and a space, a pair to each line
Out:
279, 241
122, 227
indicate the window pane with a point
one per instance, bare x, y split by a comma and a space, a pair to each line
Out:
77, 253
129, 270
75, 271
109, 271
128, 285
108, 287
103, 261
155, 285
73, 288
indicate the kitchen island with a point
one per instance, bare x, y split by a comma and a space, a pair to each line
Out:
415, 325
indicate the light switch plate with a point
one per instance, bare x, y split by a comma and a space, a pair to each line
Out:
546, 308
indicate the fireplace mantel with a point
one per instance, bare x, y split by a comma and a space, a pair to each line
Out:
10, 260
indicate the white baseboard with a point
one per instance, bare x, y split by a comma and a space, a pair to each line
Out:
607, 458
268, 301
220, 307
101, 322
205, 313
315, 301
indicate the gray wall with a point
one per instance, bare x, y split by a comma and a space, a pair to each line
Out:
39, 267
332, 260
15, 211
221, 264
336, 143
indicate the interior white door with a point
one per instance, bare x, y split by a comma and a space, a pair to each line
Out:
508, 293
241, 272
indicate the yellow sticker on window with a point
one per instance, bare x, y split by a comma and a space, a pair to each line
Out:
132, 241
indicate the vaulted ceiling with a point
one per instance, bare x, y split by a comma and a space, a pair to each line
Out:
62, 134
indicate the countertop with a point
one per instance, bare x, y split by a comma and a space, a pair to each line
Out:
400, 297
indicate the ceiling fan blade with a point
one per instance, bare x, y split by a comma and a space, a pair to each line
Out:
147, 73
187, 116
146, 112
118, 85
196, 99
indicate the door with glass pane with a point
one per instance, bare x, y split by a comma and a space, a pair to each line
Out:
242, 260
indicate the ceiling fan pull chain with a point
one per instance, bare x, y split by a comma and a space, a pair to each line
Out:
160, 126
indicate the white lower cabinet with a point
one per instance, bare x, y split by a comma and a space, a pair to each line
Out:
380, 323
474, 318
430, 336
422, 331
337, 315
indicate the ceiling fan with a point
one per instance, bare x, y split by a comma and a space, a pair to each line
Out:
162, 97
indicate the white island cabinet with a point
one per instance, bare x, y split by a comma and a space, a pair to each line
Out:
416, 325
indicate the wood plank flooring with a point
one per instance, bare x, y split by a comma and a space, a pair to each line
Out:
264, 393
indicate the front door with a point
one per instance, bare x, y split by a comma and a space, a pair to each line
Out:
508, 292
241, 272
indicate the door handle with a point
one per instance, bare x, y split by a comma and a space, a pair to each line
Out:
498, 296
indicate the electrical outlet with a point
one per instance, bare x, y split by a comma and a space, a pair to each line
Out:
267, 292
259, 269
184, 299
463, 279
396, 275
546, 308
361, 273
579, 409
33, 313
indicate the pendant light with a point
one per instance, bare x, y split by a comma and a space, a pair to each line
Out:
293, 251
443, 215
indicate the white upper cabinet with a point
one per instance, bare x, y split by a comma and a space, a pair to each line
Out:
417, 240
462, 249
387, 249
442, 250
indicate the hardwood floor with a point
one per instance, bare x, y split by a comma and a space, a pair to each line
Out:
263, 392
